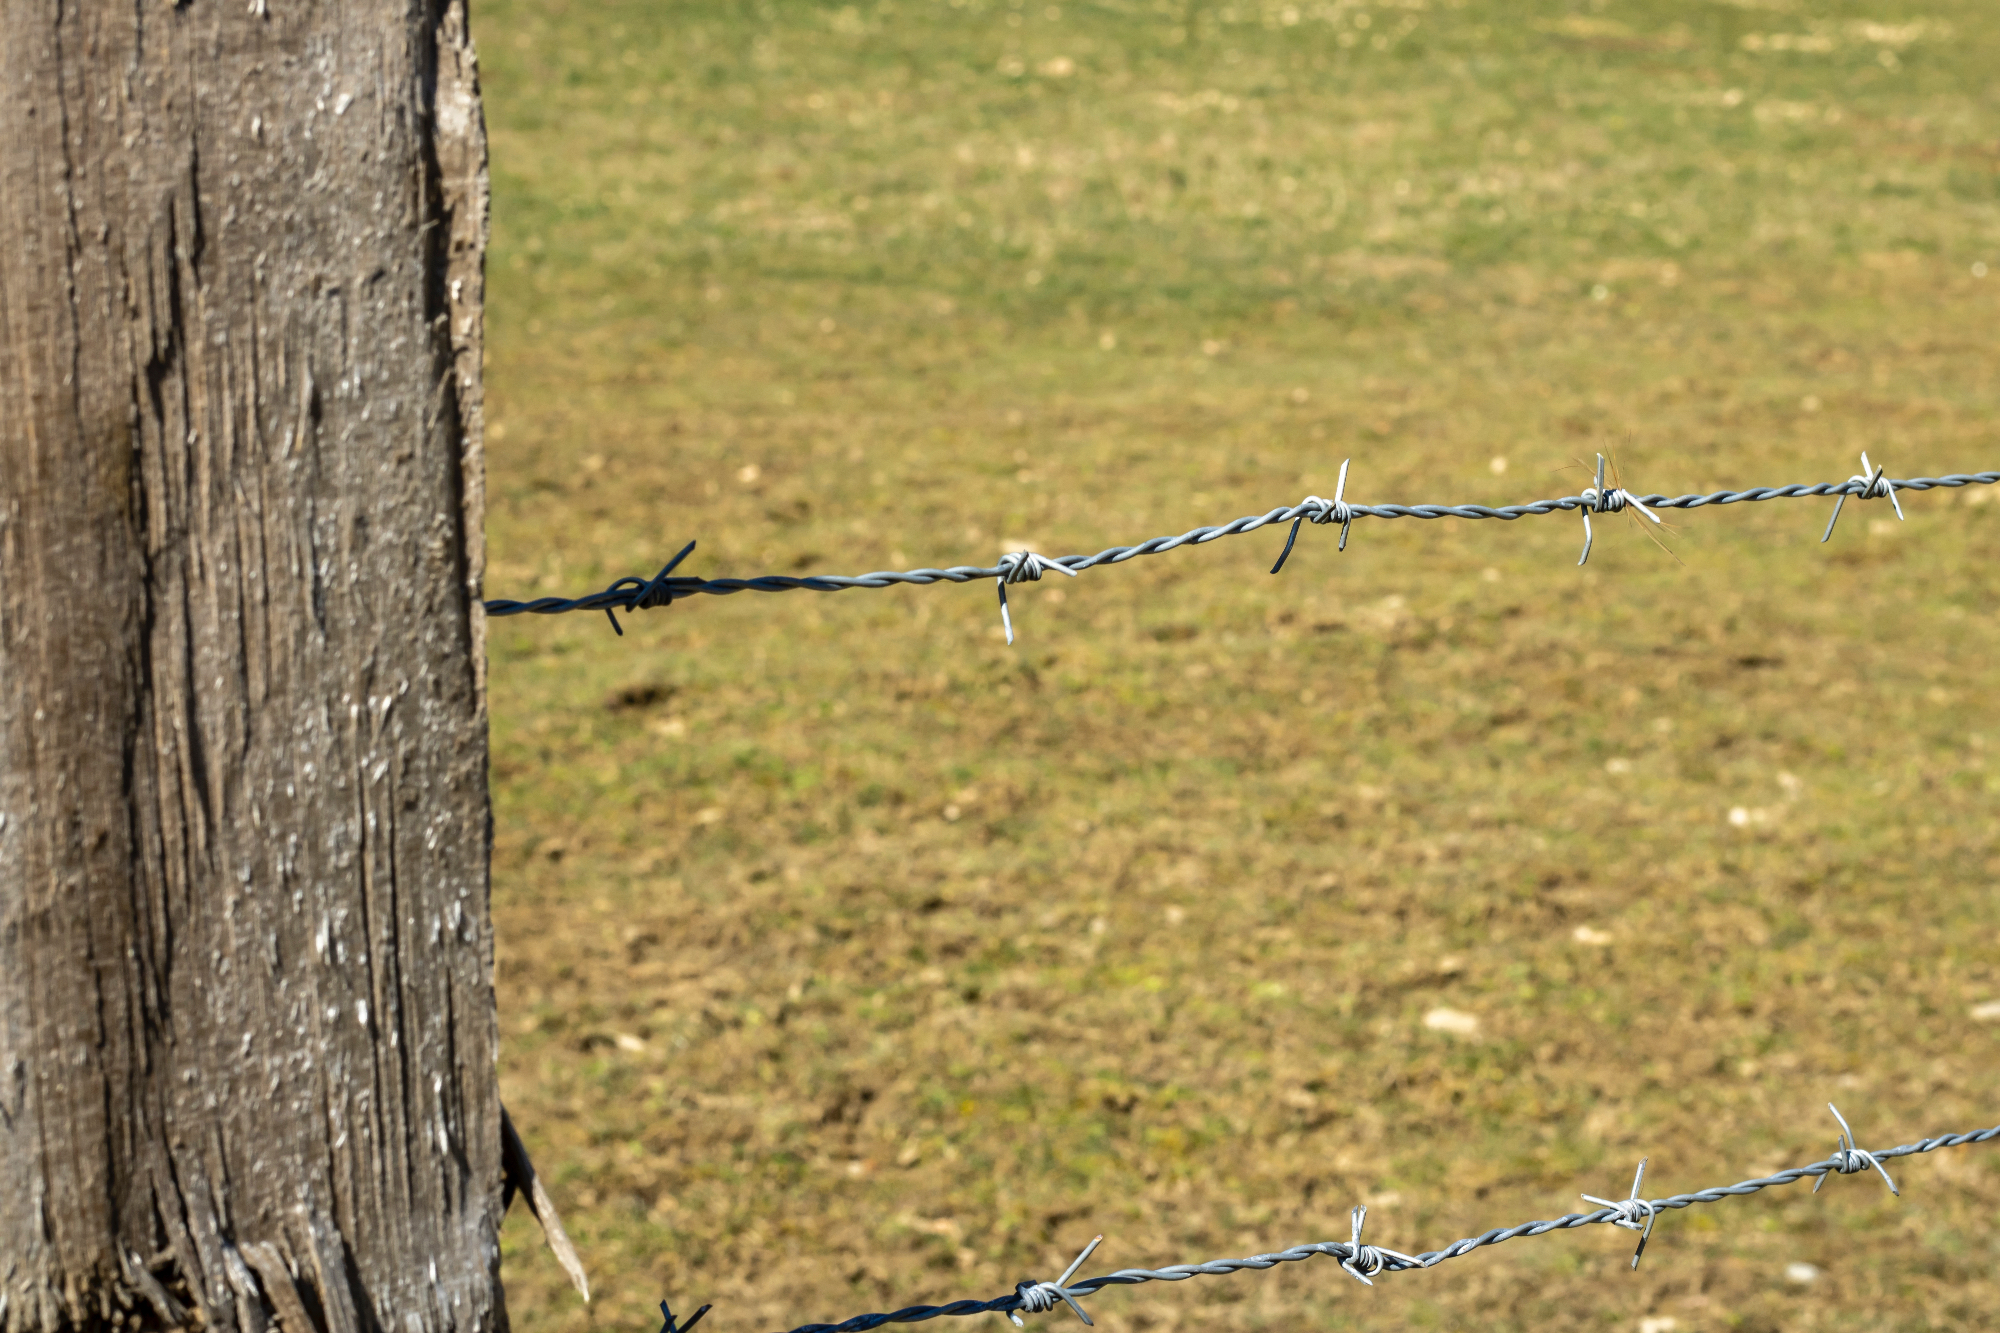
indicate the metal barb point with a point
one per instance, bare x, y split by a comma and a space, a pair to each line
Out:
1850, 1157
1037, 1297
1321, 511
658, 579
670, 1326
1630, 1210
1874, 486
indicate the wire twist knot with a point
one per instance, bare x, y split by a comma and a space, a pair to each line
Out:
1632, 1213
1028, 567
1327, 511
1364, 1262
1849, 1157
1040, 1297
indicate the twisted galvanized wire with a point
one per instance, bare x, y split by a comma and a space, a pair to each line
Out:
1364, 1261
634, 594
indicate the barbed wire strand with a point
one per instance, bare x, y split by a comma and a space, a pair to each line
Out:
632, 593
1366, 1262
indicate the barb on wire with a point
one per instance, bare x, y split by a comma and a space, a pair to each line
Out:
1632, 1209
671, 1327
634, 594
1850, 1158
1874, 486
1598, 500
626, 594
1039, 1296
1363, 1262
1322, 511
1366, 1262
1023, 567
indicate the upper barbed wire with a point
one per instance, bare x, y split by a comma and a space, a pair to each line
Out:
1367, 1261
633, 593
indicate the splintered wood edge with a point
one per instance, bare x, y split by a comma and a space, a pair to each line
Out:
519, 1173
292, 1317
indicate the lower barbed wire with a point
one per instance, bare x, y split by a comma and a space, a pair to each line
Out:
1368, 1261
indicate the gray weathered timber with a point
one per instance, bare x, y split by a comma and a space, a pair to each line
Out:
247, 1029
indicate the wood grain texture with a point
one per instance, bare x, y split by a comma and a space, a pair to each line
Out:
246, 1009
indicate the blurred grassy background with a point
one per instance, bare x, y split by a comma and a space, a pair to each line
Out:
850, 959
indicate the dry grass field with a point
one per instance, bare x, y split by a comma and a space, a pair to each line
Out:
849, 958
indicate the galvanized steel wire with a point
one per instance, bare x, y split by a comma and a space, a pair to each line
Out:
1367, 1261
1361, 1261
633, 593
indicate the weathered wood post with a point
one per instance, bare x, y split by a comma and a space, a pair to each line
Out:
247, 1029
